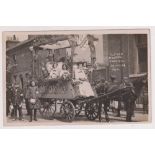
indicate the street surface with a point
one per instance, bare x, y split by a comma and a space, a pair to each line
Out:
139, 116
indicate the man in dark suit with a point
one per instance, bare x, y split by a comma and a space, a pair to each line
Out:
27, 84
17, 101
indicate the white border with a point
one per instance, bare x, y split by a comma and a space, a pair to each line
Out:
105, 30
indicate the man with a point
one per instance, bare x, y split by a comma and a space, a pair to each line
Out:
27, 84
32, 95
127, 82
101, 88
17, 101
115, 105
9, 99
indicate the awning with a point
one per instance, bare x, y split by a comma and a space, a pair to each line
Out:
137, 75
58, 45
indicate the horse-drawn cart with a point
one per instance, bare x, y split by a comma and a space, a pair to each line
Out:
63, 89
62, 93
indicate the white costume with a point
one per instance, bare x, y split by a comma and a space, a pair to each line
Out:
49, 67
54, 74
85, 88
59, 67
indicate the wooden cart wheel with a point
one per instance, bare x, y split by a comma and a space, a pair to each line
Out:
91, 111
78, 108
47, 110
67, 111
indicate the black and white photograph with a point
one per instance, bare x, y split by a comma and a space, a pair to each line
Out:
76, 77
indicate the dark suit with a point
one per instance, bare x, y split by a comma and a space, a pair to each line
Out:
26, 99
17, 102
33, 93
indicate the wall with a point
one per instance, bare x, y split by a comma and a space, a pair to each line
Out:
120, 55
133, 56
23, 61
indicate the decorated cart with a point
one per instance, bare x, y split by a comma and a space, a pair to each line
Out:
64, 87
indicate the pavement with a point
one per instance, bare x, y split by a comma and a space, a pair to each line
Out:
139, 116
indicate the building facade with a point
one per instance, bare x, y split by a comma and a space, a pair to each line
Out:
125, 54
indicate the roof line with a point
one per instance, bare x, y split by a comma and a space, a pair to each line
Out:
19, 44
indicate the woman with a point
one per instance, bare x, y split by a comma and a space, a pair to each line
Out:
54, 74
49, 66
65, 76
85, 88
85, 68
32, 95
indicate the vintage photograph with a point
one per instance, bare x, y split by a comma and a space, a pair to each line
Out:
76, 77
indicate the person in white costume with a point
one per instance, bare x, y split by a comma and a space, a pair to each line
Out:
85, 88
49, 67
60, 64
54, 74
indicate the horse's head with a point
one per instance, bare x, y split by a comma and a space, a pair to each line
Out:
139, 82
100, 87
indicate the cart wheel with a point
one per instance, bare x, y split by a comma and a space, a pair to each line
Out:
91, 111
47, 110
67, 111
78, 108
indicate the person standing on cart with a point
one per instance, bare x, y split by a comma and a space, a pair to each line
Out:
84, 87
33, 95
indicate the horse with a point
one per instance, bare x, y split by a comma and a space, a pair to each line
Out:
126, 92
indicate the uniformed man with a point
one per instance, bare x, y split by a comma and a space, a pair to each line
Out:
27, 84
17, 102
